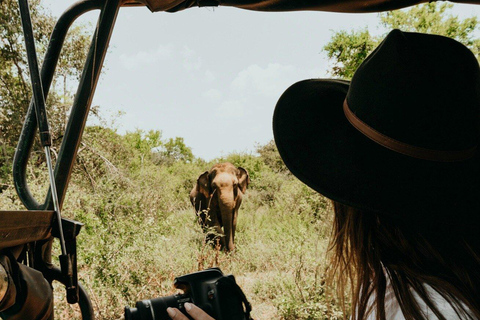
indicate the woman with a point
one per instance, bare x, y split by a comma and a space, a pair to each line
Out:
396, 149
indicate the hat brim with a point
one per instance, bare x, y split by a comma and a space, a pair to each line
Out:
323, 150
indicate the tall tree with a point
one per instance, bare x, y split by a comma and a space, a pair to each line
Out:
347, 50
15, 90
176, 150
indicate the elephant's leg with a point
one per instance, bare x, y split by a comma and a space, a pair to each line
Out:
235, 215
234, 224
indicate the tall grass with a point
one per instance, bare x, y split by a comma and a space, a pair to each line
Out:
141, 232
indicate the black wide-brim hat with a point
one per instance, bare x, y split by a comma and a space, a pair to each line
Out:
400, 139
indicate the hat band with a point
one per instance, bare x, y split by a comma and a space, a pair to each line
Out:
404, 148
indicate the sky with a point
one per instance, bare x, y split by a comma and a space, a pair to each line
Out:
212, 75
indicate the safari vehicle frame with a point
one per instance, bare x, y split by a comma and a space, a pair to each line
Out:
28, 234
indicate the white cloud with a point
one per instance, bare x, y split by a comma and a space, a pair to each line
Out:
191, 61
209, 76
213, 94
143, 58
270, 81
230, 109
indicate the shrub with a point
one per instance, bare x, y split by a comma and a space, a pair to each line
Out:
141, 231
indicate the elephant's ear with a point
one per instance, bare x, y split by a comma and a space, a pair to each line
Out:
203, 185
243, 179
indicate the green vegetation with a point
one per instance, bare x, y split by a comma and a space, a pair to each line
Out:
141, 230
131, 191
347, 50
15, 91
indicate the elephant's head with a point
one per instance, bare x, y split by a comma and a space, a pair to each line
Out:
219, 192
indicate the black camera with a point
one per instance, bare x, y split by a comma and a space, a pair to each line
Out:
217, 294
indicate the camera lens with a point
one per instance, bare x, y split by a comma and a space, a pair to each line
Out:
131, 313
156, 309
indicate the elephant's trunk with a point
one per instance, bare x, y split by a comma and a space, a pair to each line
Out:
226, 202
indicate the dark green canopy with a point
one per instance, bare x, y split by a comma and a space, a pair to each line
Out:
289, 5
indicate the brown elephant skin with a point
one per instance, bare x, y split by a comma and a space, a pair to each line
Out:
216, 197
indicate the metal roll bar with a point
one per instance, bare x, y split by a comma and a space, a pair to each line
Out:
81, 105
39, 251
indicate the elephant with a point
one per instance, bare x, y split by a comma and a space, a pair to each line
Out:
216, 197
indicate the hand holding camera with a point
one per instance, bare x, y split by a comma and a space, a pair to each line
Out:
207, 295
193, 311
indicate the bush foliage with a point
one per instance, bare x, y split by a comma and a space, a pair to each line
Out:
141, 232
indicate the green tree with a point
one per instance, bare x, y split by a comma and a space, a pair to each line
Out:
144, 142
15, 90
347, 50
270, 156
69, 69
174, 150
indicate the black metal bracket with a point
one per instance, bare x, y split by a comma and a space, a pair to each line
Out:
69, 273
38, 96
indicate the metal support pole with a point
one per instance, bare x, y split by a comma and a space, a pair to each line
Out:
60, 177
37, 87
40, 109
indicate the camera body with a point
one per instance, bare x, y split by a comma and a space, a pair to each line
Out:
217, 294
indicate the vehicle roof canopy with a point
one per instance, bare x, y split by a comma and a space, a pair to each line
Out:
289, 5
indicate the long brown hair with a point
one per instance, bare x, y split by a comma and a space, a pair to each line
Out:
370, 250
